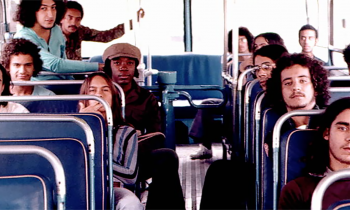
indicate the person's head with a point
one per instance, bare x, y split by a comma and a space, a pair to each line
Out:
332, 147
21, 59
5, 82
245, 40
266, 39
297, 82
100, 84
72, 17
42, 13
346, 53
308, 38
265, 59
121, 61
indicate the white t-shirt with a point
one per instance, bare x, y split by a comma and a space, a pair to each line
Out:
13, 108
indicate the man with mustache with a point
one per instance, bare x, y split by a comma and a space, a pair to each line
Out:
39, 18
297, 83
329, 152
76, 33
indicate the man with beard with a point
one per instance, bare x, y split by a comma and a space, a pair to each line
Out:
329, 152
39, 18
308, 38
76, 33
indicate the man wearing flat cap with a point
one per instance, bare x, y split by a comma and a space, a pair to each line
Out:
142, 111
141, 106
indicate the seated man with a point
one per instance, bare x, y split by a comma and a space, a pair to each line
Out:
76, 33
328, 153
39, 18
21, 59
8, 107
291, 87
143, 113
308, 38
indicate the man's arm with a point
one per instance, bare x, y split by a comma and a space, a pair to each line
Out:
89, 34
55, 63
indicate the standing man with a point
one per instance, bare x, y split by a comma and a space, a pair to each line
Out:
39, 18
308, 38
21, 59
329, 152
76, 33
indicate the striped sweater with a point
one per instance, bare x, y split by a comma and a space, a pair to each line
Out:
125, 167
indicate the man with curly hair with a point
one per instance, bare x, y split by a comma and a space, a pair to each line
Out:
39, 18
21, 59
297, 83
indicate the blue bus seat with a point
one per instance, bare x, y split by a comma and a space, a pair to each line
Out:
265, 170
69, 130
73, 156
51, 106
25, 192
293, 150
340, 205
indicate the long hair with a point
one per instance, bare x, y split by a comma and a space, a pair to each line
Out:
25, 13
6, 81
21, 46
271, 38
242, 31
318, 74
318, 155
116, 103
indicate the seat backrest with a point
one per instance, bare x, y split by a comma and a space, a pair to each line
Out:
293, 150
51, 106
39, 129
25, 192
338, 92
73, 156
340, 205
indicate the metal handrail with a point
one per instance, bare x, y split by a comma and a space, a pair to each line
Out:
54, 161
276, 145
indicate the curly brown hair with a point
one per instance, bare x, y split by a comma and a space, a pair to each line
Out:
318, 74
25, 13
21, 46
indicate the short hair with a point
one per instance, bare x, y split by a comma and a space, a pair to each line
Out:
116, 102
27, 8
318, 153
21, 46
346, 53
318, 74
74, 5
272, 51
108, 70
242, 31
271, 38
6, 81
308, 27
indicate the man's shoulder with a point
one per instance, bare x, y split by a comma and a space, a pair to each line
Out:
41, 91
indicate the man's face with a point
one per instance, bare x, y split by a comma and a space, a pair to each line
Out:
297, 89
339, 141
21, 67
243, 44
46, 15
307, 40
99, 87
123, 70
71, 21
266, 65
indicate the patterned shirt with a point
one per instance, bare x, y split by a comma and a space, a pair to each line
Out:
73, 41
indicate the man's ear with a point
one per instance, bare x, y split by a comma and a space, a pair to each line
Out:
316, 41
326, 134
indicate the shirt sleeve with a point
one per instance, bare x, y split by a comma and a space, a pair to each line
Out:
154, 119
58, 64
125, 155
291, 196
89, 34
